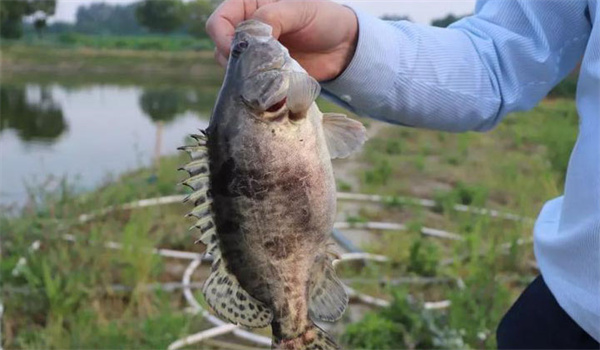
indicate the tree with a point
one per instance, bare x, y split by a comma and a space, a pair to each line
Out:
13, 11
10, 19
11, 15
197, 12
105, 18
161, 16
41, 10
446, 21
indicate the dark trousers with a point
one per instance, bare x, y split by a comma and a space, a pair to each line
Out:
536, 321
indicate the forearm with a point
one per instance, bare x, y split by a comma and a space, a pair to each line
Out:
456, 79
392, 80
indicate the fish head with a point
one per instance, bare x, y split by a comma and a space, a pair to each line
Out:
270, 83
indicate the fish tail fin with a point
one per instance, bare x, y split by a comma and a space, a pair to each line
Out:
314, 338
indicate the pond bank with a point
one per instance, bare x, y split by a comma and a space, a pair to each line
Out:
22, 62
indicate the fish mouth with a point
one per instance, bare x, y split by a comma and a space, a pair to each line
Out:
277, 106
275, 113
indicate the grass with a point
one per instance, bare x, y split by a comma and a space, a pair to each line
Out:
82, 295
77, 65
515, 168
404, 325
139, 42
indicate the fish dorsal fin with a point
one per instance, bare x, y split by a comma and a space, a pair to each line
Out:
343, 135
302, 92
328, 298
229, 300
198, 169
198, 180
222, 290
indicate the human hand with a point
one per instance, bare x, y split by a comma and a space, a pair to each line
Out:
320, 34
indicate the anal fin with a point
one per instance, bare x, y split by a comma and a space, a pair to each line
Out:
229, 300
328, 299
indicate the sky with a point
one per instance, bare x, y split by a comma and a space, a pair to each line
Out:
420, 11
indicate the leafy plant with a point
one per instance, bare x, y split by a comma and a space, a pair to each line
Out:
379, 175
374, 331
423, 258
405, 324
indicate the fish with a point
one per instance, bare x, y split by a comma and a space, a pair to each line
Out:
264, 194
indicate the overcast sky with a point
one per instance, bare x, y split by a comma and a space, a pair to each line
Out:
420, 11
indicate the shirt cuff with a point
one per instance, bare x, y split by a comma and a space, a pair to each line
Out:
372, 71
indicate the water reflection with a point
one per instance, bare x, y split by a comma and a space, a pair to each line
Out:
34, 118
162, 105
90, 132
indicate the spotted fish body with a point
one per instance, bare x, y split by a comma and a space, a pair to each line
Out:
265, 194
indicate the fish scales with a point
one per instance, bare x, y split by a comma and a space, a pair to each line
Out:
272, 194
274, 205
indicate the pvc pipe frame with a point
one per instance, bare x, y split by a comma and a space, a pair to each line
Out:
222, 327
149, 202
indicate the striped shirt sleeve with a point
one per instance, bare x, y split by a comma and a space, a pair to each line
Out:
506, 57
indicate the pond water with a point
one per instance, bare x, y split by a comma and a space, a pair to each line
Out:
88, 133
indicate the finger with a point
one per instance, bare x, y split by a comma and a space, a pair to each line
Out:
221, 24
286, 16
220, 58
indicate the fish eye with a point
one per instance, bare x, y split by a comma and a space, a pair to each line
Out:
239, 48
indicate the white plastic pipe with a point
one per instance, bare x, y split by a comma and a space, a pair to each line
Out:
429, 204
198, 337
392, 226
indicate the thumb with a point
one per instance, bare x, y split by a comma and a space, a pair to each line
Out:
286, 17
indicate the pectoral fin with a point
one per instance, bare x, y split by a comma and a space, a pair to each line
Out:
344, 136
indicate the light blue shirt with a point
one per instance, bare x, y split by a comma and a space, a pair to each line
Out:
505, 58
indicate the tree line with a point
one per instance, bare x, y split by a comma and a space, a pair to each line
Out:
138, 18
13, 11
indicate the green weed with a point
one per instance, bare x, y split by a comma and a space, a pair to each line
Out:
379, 175
515, 168
423, 258
79, 294
343, 186
403, 325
